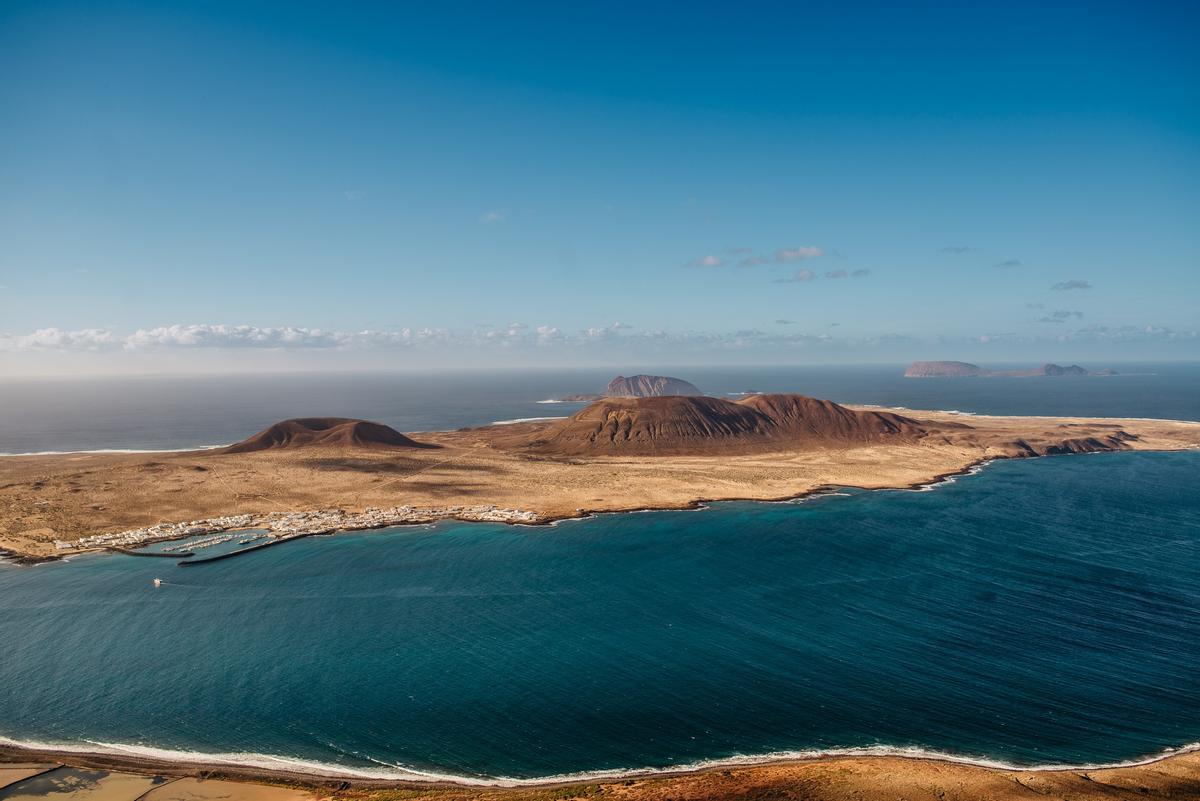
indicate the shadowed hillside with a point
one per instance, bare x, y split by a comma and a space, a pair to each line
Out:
701, 425
649, 386
330, 432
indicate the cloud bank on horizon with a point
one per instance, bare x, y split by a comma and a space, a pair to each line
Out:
518, 344
222, 182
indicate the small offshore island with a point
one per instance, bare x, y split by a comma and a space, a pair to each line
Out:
947, 369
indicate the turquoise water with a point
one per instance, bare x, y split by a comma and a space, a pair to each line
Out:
1042, 611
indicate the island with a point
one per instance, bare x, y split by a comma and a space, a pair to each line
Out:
950, 369
636, 386
649, 386
322, 475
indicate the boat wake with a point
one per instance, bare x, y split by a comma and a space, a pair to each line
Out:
386, 771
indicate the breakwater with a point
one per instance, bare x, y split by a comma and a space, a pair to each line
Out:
285, 524
240, 551
163, 554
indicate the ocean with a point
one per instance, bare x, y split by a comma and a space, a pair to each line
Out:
1038, 612
163, 413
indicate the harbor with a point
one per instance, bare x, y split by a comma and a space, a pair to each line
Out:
192, 538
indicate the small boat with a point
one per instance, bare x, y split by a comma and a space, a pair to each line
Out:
158, 582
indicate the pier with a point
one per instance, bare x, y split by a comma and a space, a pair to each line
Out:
128, 552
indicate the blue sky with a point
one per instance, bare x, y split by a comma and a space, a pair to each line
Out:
282, 185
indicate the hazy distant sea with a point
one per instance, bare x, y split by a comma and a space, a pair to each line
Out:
189, 412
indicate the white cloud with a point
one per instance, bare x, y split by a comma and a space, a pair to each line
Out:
234, 336
798, 254
606, 332
1074, 283
615, 337
799, 277
87, 339
548, 333
492, 216
1060, 316
1135, 333
749, 259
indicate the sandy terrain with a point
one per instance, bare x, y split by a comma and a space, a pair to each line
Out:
839, 779
76, 784
191, 789
44, 498
11, 773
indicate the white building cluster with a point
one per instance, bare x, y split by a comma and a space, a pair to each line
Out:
160, 531
290, 524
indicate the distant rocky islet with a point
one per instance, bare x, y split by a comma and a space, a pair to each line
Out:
637, 386
954, 369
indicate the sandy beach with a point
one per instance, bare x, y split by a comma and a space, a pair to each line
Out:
107, 778
64, 497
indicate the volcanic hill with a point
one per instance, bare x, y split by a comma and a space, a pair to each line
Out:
680, 425
330, 432
649, 386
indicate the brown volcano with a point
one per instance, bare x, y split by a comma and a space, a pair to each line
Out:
649, 386
702, 425
331, 432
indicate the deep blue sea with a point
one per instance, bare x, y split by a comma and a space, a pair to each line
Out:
154, 413
1041, 611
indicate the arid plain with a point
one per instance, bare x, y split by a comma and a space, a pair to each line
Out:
527, 467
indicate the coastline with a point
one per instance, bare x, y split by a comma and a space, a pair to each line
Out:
258, 767
776, 769
426, 517
56, 506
